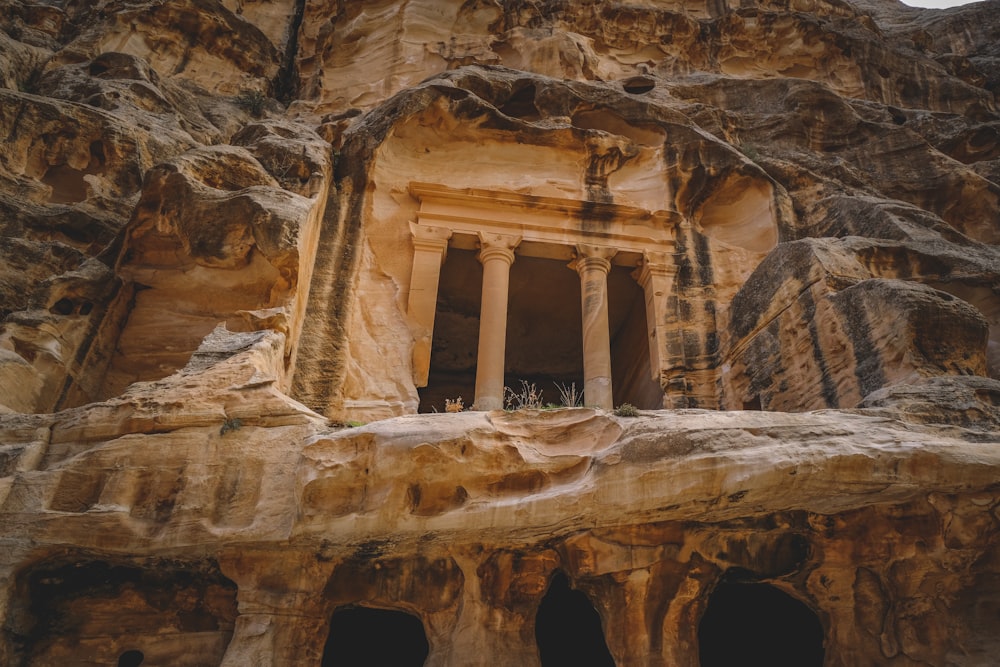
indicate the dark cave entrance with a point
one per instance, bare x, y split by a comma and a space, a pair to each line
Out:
758, 624
568, 629
362, 636
544, 331
131, 658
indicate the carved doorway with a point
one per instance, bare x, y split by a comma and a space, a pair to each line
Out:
757, 624
361, 636
568, 629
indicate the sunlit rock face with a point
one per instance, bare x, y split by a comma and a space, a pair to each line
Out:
257, 255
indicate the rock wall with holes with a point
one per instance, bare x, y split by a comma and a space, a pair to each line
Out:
239, 275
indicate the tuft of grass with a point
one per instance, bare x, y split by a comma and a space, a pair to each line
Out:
528, 397
569, 396
231, 425
626, 410
750, 151
251, 101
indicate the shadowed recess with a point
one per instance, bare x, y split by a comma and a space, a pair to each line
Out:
360, 636
568, 629
757, 624
131, 658
96, 612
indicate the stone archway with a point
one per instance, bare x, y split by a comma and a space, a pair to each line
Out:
361, 636
758, 624
568, 628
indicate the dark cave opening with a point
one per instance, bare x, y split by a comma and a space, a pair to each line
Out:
568, 629
757, 624
362, 636
132, 658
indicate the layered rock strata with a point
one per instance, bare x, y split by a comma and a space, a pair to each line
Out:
250, 247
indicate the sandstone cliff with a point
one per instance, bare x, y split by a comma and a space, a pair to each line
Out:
251, 247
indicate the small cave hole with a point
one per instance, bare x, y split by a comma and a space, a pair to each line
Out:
67, 183
97, 156
62, 307
758, 624
522, 105
638, 85
568, 629
131, 658
86, 307
363, 636
96, 68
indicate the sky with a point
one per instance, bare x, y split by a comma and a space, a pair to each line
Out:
939, 4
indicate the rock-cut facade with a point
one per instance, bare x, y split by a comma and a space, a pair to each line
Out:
499, 332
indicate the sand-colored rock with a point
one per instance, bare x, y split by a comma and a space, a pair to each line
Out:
613, 502
249, 248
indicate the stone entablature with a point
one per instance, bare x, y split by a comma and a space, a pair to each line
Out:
549, 227
591, 236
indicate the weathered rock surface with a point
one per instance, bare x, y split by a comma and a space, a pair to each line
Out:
231, 228
462, 518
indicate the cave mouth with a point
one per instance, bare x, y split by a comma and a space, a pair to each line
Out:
758, 624
568, 629
131, 658
362, 636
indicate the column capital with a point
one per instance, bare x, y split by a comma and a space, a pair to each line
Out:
591, 257
428, 237
654, 265
430, 246
497, 246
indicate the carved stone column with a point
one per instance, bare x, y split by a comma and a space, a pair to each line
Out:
593, 264
430, 245
656, 277
496, 254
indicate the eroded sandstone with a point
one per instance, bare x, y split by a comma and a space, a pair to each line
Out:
243, 267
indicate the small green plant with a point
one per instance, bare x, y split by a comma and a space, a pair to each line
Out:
353, 423
528, 397
750, 151
251, 101
569, 396
626, 410
234, 424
